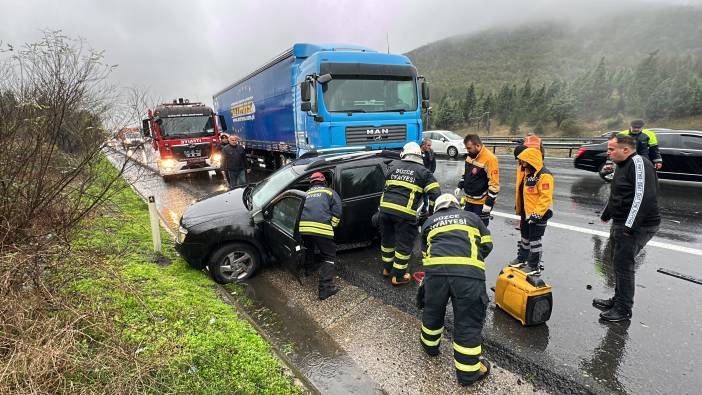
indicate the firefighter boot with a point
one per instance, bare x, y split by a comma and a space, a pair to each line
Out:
326, 280
482, 373
402, 280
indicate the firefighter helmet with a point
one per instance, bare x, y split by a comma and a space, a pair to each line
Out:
445, 201
411, 148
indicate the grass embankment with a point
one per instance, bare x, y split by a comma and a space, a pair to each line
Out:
122, 324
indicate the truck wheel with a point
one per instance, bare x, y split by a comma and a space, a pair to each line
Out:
233, 263
452, 152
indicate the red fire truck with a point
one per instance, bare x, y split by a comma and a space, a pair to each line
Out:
184, 138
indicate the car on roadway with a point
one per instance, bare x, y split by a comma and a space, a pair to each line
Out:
235, 232
681, 151
446, 142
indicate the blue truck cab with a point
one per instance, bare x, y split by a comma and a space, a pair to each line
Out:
321, 97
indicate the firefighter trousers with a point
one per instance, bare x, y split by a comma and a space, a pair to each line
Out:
397, 237
530, 249
469, 299
327, 255
477, 209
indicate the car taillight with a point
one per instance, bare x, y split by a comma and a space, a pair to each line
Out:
581, 151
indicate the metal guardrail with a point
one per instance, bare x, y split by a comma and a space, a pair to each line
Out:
565, 143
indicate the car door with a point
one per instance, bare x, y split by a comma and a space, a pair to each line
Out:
360, 188
669, 146
691, 156
438, 141
280, 228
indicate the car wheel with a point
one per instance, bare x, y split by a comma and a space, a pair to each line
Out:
452, 152
233, 263
605, 175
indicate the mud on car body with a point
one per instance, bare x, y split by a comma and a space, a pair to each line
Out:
235, 232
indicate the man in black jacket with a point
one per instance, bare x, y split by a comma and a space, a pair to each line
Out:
234, 162
633, 209
429, 159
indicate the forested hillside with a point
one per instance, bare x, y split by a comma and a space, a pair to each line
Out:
646, 63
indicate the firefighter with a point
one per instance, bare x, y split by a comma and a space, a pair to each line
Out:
480, 182
406, 182
320, 215
455, 244
646, 142
534, 197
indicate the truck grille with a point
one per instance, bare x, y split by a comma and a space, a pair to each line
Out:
376, 135
191, 151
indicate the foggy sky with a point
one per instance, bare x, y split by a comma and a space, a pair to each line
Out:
193, 49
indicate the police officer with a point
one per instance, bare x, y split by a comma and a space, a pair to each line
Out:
320, 215
406, 182
480, 182
534, 197
455, 244
646, 142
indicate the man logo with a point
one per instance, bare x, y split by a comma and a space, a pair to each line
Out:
371, 132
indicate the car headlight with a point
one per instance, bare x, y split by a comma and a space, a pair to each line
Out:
216, 157
182, 232
168, 163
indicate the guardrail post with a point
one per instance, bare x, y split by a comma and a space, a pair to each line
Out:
155, 227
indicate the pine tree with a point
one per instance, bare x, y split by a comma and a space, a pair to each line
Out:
469, 104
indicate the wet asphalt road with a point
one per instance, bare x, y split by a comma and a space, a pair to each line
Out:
658, 352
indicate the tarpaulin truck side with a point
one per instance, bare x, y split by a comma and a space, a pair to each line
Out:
315, 97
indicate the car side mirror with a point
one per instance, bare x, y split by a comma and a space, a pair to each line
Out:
145, 128
323, 79
425, 92
305, 106
305, 91
443, 139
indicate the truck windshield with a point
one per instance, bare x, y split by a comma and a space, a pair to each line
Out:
184, 127
370, 94
273, 185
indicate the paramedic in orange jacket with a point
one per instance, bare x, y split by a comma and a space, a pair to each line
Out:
480, 182
534, 197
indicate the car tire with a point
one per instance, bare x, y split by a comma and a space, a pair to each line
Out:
607, 177
452, 152
220, 263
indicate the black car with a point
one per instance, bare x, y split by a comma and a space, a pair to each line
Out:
681, 151
233, 233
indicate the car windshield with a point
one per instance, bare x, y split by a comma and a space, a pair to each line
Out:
370, 94
186, 127
452, 136
273, 185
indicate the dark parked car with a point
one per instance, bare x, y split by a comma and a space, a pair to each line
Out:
233, 233
681, 151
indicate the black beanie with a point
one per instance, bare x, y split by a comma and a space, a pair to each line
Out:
519, 150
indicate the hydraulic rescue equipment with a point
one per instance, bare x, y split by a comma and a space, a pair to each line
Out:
526, 298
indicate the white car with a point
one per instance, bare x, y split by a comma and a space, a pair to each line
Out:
446, 141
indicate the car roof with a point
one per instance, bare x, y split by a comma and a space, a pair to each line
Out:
332, 159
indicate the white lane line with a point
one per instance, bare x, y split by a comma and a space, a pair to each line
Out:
659, 244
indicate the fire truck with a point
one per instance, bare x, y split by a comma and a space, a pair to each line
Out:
184, 138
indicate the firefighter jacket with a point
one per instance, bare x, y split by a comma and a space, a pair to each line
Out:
405, 183
646, 145
633, 199
534, 190
481, 178
455, 243
321, 213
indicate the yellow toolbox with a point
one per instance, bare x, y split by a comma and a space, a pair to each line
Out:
526, 298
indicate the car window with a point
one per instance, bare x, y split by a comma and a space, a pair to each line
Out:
452, 136
285, 213
361, 181
666, 140
691, 142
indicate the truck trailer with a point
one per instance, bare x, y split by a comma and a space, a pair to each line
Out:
184, 138
324, 98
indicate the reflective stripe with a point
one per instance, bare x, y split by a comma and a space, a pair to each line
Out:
432, 331
404, 184
317, 231
424, 254
467, 350
639, 177
453, 260
335, 221
388, 259
431, 186
430, 343
322, 190
402, 256
399, 208
472, 234
410, 201
387, 249
400, 267
467, 368
313, 224
485, 239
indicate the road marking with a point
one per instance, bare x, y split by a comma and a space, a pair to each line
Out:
659, 244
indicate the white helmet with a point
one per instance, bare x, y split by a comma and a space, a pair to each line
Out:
445, 201
411, 148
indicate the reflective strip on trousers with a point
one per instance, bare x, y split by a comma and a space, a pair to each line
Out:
467, 368
472, 351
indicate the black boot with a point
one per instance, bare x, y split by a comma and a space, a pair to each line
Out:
328, 291
616, 314
603, 304
483, 372
326, 280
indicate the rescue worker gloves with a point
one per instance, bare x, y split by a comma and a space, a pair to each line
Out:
458, 191
486, 209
